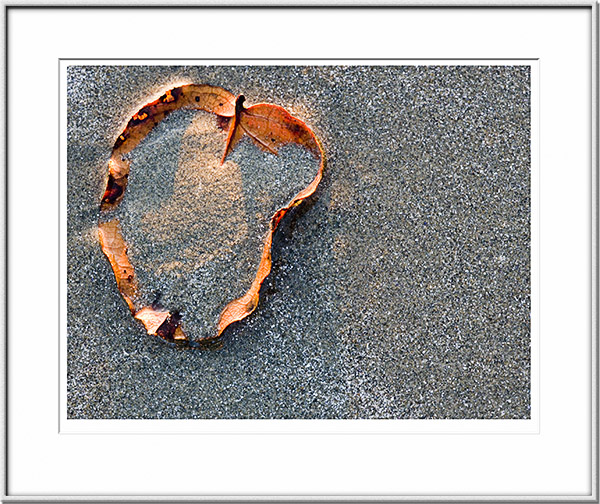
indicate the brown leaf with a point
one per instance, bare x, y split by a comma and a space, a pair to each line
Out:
162, 323
115, 249
151, 318
269, 126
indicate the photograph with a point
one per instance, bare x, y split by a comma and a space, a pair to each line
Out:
301, 252
325, 241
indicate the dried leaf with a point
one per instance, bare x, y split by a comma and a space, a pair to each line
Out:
159, 322
151, 318
115, 249
269, 127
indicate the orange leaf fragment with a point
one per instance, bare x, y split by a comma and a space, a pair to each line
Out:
151, 318
159, 322
242, 307
270, 127
114, 247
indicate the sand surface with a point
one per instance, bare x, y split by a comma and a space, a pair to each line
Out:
401, 289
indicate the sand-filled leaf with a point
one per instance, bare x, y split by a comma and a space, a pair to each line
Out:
268, 126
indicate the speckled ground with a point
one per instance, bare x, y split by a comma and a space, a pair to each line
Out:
401, 289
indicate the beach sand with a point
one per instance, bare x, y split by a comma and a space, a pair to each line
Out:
400, 289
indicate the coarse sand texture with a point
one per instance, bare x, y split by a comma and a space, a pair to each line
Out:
399, 289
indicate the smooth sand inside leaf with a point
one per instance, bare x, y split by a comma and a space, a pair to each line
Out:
195, 229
